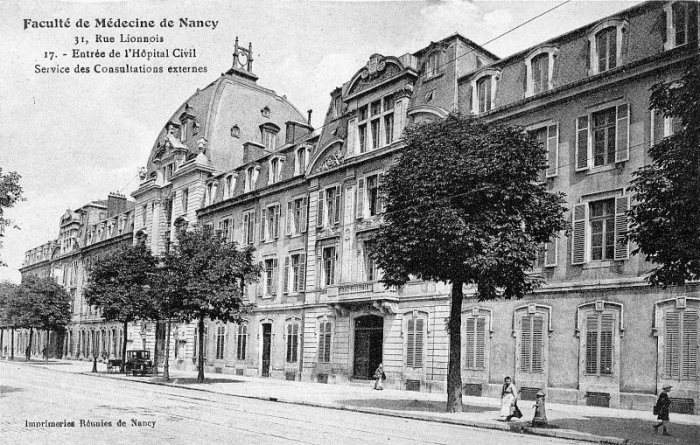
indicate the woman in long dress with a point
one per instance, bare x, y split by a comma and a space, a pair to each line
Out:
508, 397
379, 377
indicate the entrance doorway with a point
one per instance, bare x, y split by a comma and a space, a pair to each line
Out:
267, 340
369, 341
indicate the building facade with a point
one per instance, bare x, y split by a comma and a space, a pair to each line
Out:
307, 200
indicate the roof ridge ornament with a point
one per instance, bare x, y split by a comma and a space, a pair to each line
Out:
243, 58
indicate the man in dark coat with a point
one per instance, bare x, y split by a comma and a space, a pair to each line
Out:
663, 404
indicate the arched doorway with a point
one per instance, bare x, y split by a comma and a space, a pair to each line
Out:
369, 341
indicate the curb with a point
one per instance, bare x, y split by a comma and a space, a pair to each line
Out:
512, 428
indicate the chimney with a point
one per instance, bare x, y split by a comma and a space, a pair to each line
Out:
308, 120
116, 204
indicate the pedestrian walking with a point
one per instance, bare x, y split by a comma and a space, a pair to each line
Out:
379, 377
509, 400
661, 410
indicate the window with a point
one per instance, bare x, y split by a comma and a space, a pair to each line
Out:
414, 342
241, 341
301, 160
540, 73
599, 229
328, 206
681, 344
606, 49
292, 341
269, 138
225, 229
270, 217
602, 223
271, 277
371, 269
294, 273
275, 170
483, 88
220, 342
475, 342
183, 132
483, 91
251, 177
296, 216
531, 343
208, 194
369, 201
229, 186
144, 210
547, 254
548, 137
600, 328
328, 259
607, 139
248, 227
606, 43
377, 118
680, 23
184, 197
432, 64
324, 342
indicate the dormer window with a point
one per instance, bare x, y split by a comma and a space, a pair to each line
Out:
433, 63
268, 135
540, 69
183, 132
235, 131
680, 23
208, 194
301, 160
605, 42
275, 170
229, 186
484, 91
251, 177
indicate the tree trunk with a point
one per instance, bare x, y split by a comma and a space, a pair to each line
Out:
200, 350
124, 336
454, 375
12, 344
46, 348
28, 351
2, 342
166, 365
155, 350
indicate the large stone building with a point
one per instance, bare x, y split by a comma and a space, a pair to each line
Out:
242, 159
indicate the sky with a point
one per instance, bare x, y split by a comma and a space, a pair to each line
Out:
74, 137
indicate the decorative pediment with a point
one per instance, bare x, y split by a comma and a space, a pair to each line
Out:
377, 70
333, 157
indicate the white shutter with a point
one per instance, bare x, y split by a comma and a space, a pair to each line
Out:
380, 195
470, 343
304, 213
622, 248
622, 136
607, 329
275, 281
278, 211
410, 347
336, 210
672, 344
592, 343
526, 343
419, 334
302, 272
319, 212
480, 342
578, 238
245, 228
263, 224
288, 218
537, 343
552, 150
285, 285
360, 198
352, 135
689, 358
582, 143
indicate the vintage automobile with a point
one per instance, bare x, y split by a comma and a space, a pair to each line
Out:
138, 362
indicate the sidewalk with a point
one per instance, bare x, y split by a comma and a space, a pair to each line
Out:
592, 424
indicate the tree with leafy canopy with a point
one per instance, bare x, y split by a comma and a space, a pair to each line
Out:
464, 206
45, 305
120, 286
9, 294
665, 222
10, 194
209, 274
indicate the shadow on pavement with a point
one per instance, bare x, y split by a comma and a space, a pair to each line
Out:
42, 362
8, 389
631, 429
410, 405
193, 381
